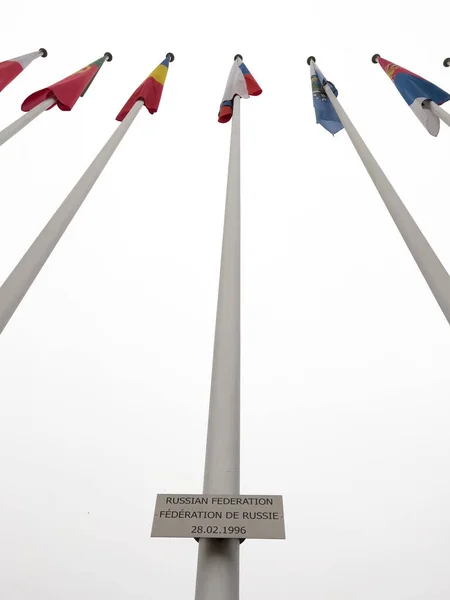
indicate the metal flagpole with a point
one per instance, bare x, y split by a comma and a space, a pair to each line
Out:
11, 130
438, 111
429, 264
27, 269
218, 559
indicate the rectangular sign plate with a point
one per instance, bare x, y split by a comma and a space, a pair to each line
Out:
218, 516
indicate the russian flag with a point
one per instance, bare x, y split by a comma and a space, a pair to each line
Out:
416, 91
240, 83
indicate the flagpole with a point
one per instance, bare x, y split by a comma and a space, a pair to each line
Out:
27, 269
438, 111
11, 130
429, 264
218, 559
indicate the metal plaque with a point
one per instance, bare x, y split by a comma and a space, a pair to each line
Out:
218, 516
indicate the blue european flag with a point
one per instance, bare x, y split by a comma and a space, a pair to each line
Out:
325, 113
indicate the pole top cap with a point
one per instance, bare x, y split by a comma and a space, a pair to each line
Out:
108, 56
238, 56
446, 62
170, 56
311, 58
375, 58
43, 52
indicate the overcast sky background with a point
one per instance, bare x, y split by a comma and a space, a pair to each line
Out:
105, 367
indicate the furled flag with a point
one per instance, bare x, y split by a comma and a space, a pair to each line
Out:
67, 91
416, 91
9, 69
149, 91
325, 113
240, 83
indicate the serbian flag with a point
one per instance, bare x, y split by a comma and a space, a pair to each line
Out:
416, 91
9, 69
240, 83
67, 91
149, 91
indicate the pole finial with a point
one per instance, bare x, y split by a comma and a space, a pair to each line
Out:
170, 56
238, 56
108, 56
446, 62
375, 58
43, 52
311, 58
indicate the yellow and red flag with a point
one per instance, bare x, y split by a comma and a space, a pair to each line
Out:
149, 91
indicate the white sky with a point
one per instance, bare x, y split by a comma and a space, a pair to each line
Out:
105, 367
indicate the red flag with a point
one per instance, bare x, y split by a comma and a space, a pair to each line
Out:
67, 91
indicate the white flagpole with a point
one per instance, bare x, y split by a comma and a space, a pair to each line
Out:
218, 559
27, 269
11, 130
429, 264
438, 111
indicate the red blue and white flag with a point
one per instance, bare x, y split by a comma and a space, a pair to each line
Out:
240, 83
416, 91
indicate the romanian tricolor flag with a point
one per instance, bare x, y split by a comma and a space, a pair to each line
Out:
67, 91
416, 91
149, 91
240, 83
9, 69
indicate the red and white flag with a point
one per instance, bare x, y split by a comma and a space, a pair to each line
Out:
9, 69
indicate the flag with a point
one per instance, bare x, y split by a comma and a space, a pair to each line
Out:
240, 83
325, 113
149, 91
9, 69
67, 91
415, 91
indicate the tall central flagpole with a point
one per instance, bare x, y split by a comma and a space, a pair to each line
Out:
429, 264
21, 278
218, 559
